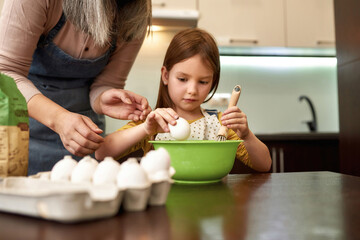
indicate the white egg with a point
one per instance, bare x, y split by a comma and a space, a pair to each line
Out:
181, 131
84, 170
156, 164
62, 169
106, 171
132, 175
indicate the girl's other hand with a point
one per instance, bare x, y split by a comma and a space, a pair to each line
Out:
233, 118
79, 135
157, 121
123, 104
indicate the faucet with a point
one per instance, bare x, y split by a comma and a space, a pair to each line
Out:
311, 124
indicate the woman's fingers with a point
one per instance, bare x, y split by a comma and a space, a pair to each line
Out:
93, 127
145, 112
85, 142
135, 115
126, 105
128, 97
74, 148
79, 134
79, 145
123, 96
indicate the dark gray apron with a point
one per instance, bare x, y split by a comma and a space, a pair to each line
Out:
66, 81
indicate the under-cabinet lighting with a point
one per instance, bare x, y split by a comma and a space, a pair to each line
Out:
278, 62
159, 28
156, 28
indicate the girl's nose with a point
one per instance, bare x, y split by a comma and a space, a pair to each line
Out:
192, 88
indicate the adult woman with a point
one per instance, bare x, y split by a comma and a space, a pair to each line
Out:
70, 60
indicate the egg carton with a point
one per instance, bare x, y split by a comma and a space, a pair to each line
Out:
67, 202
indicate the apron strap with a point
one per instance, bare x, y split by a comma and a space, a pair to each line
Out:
44, 40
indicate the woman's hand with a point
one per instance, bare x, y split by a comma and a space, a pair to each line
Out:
79, 135
235, 119
157, 121
123, 104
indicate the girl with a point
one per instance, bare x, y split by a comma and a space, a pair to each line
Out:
190, 72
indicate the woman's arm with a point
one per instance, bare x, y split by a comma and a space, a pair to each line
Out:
77, 132
22, 23
116, 71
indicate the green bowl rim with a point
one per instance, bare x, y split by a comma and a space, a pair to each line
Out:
196, 141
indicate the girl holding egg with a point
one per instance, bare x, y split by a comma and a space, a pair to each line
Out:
190, 73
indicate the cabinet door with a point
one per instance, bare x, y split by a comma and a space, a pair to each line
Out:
174, 4
244, 22
304, 155
310, 23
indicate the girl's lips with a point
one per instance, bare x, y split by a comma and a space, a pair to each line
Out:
189, 100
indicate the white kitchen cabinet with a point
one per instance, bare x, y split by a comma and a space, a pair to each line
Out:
310, 23
244, 22
174, 4
275, 23
175, 13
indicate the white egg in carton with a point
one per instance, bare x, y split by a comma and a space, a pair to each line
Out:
96, 189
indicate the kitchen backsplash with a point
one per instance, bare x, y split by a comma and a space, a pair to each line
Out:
271, 87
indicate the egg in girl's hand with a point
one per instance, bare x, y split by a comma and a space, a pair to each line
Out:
62, 169
106, 171
181, 131
84, 170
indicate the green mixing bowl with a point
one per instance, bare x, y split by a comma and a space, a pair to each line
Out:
201, 161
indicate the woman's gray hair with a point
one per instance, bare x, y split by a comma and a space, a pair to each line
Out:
102, 19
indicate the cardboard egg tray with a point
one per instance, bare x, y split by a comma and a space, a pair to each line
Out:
68, 202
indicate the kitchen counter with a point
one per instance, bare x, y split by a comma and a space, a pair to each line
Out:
304, 205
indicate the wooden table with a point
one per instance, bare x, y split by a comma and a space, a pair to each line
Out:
303, 205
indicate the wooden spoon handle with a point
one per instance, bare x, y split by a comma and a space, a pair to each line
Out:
235, 96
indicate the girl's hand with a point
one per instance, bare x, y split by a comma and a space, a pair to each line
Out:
123, 104
79, 135
157, 121
235, 119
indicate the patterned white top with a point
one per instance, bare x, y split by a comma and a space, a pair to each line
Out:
205, 128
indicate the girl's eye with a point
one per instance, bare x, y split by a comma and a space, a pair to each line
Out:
204, 82
182, 79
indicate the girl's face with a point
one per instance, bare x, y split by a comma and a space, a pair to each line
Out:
189, 83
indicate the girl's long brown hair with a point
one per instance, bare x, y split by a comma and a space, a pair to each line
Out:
184, 45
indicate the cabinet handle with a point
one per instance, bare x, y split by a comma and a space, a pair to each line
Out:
273, 156
281, 160
162, 4
238, 40
325, 42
